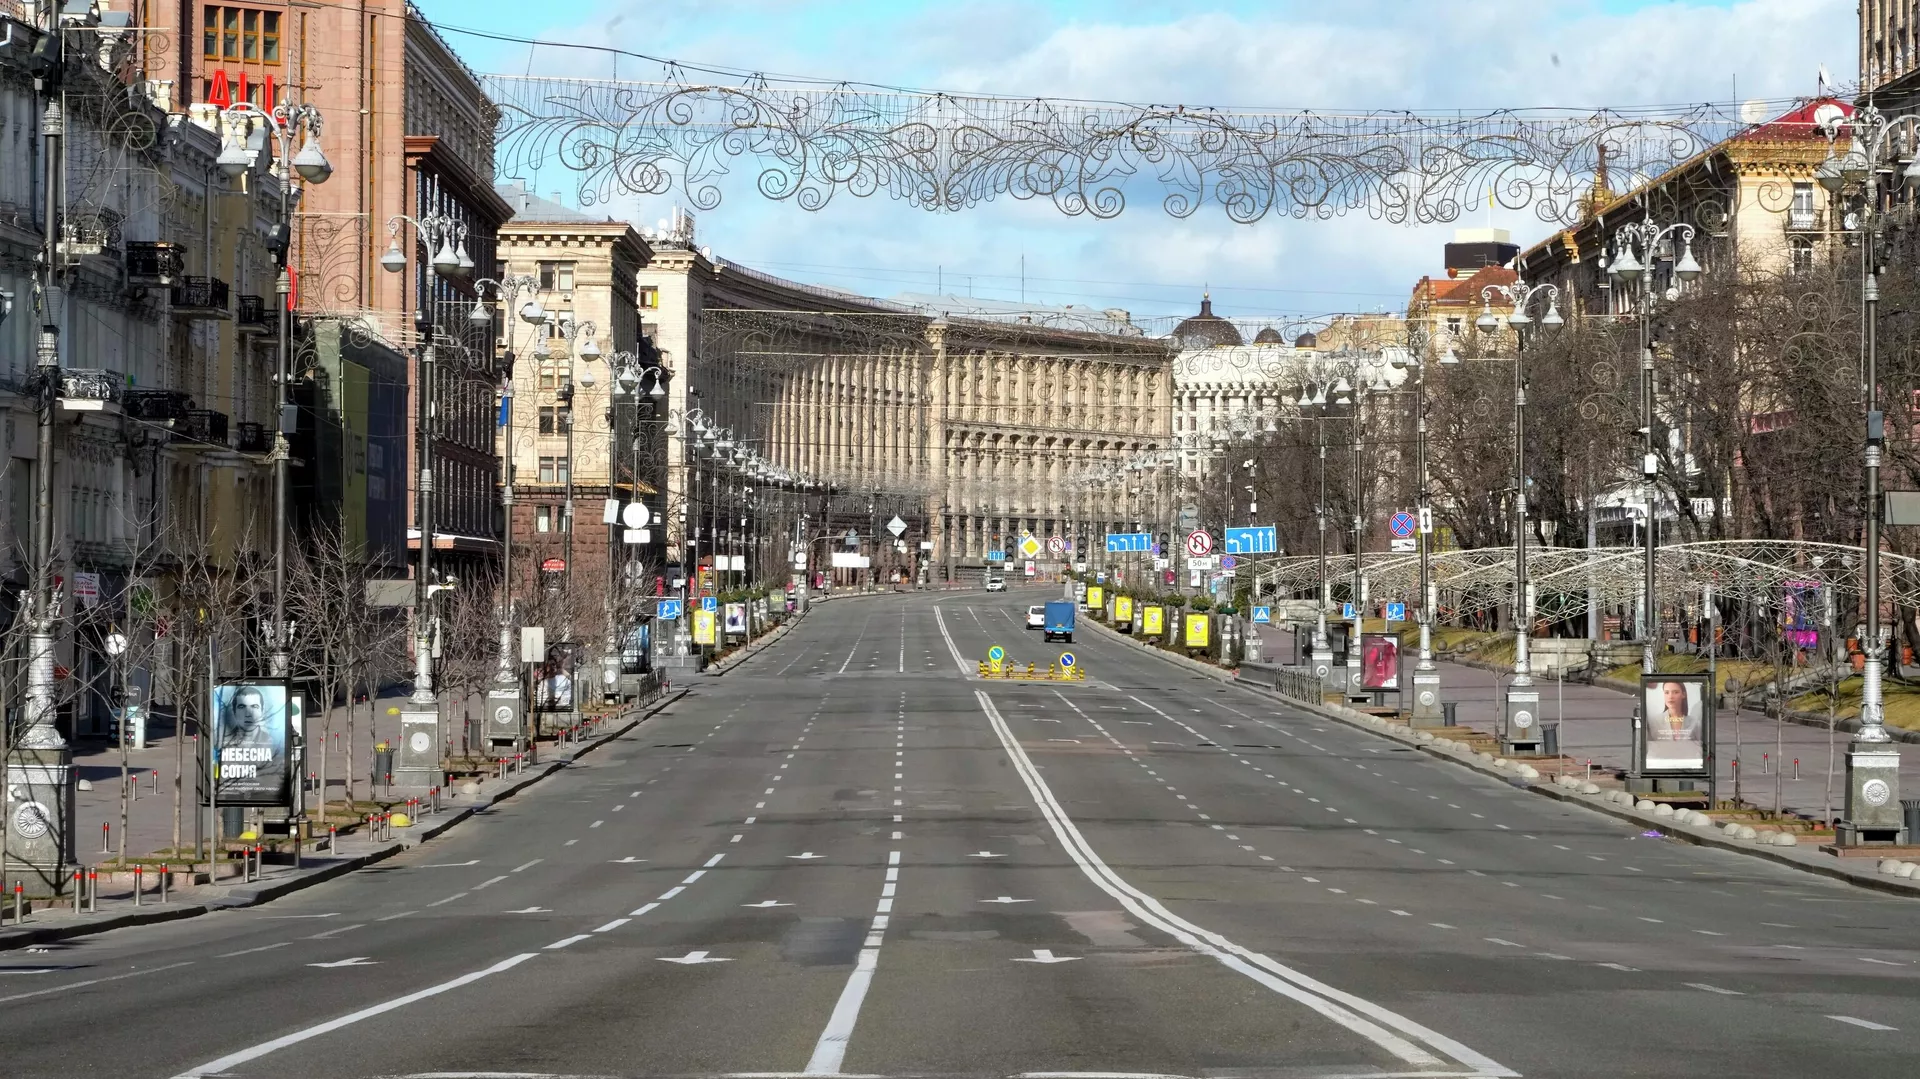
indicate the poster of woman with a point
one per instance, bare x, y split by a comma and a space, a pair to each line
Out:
1379, 661
1675, 711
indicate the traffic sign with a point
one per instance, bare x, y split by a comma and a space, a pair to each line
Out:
1263, 615
1397, 545
1396, 612
1346, 610
1057, 544
1029, 547
1402, 524
1129, 542
1426, 520
897, 526
1067, 661
852, 538
1263, 539
1199, 542
996, 654
1228, 561
709, 603
553, 565
668, 609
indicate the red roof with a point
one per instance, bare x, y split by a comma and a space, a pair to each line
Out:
1796, 123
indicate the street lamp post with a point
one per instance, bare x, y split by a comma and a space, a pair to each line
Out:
1637, 267
1318, 401
1520, 731
1872, 814
284, 123
506, 703
419, 757
1427, 710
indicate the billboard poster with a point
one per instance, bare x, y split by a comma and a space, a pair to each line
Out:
1379, 661
1196, 635
737, 618
1096, 596
1675, 707
1153, 620
251, 741
553, 680
703, 627
1123, 609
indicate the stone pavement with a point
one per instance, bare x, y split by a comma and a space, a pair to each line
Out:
1596, 725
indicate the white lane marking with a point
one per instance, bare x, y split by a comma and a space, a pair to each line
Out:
92, 981
1043, 955
1005, 899
1705, 988
492, 881
596, 824
671, 892
248, 951
528, 865
767, 903
735, 839
530, 910
356, 961
693, 959
1864, 1023
448, 899
954, 651
232, 1060
450, 865
566, 941
1862, 958
612, 925
805, 856
570, 842
362, 925
830, 1051
695, 875
1361, 1016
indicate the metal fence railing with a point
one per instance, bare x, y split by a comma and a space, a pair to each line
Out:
1294, 683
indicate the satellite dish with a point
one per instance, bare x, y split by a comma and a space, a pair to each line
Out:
1753, 111
635, 515
1828, 117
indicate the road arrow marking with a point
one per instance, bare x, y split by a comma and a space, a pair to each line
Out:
691, 958
530, 910
628, 860
1006, 899
1042, 955
356, 961
806, 855
985, 854
767, 903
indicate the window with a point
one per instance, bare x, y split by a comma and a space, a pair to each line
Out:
241, 34
549, 378
549, 420
553, 470
543, 519
1801, 215
556, 277
1802, 250
649, 297
1453, 325
546, 470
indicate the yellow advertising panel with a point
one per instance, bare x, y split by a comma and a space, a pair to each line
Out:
703, 627
1153, 620
1096, 596
1196, 631
1123, 608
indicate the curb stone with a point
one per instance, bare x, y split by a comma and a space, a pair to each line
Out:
265, 892
1834, 868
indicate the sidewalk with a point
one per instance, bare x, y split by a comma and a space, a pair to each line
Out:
1596, 725
115, 899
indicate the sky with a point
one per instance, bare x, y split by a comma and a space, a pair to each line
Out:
1355, 55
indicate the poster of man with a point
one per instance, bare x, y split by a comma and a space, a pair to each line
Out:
1379, 661
251, 765
1675, 711
553, 686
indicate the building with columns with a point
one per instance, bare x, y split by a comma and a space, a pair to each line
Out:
838, 412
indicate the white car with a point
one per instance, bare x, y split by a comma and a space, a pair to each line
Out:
1037, 616
996, 584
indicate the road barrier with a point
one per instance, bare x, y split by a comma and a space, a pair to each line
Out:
1012, 672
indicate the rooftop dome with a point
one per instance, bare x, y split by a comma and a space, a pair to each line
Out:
1269, 336
1206, 329
1307, 340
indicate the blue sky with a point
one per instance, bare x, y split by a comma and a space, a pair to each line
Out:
1359, 54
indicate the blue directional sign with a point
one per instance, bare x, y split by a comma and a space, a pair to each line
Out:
1263, 539
1396, 612
1263, 615
669, 609
1346, 610
709, 603
996, 556
1129, 542
1067, 661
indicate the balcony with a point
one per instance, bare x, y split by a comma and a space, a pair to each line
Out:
204, 429
256, 318
163, 408
155, 262
89, 232
252, 438
90, 389
201, 298
1800, 219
